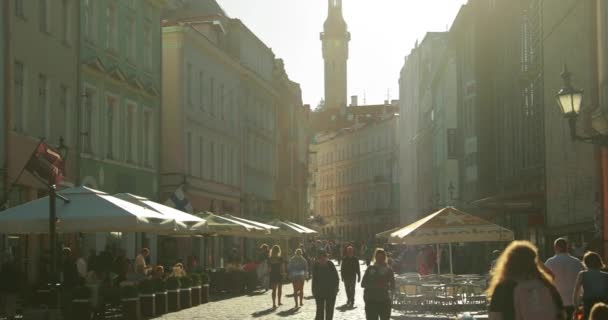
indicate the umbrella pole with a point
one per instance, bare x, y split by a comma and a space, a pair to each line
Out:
451, 263
52, 233
438, 255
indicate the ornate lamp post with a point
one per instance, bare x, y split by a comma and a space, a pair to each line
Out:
570, 100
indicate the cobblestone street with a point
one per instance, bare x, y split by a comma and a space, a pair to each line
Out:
259, 306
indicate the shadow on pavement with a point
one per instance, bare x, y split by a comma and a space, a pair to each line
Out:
289, 312
263, 313
344, 308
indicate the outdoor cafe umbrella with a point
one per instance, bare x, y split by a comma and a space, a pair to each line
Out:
226, 225
291, 229
450, 225
191, 223
87, 211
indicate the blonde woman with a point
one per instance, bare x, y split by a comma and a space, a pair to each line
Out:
520, 287
298, 268
277, 273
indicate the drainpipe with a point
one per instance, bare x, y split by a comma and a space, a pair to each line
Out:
79, 97
7, 95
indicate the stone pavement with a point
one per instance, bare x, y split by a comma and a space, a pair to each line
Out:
259, 306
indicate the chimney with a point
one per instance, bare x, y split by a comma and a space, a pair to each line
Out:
354, 101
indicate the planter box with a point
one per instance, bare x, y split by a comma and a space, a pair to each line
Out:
148, 304
205, 294
173, 302
185, 298
131, 309
81, 309
161, 303
196, 295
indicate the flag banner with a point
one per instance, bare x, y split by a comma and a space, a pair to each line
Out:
46, 164
179, 201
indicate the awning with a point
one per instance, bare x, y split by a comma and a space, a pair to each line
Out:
88, 210
227, 225
291, 229
169, 213
386, 234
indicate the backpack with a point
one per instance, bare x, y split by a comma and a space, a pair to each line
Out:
535, 300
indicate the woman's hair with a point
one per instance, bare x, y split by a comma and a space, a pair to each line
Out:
275, 251
599, 311
264, 247
518, 261
593, 260
378, 251
298, 252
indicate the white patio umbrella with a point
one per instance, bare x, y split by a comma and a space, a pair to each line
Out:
190, 222
87, 211
227, 225
291, 229
450, 225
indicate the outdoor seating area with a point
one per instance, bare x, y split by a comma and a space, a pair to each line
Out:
440, 294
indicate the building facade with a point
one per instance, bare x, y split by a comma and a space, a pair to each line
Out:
120, 105
41, 104
355, 174
293, 135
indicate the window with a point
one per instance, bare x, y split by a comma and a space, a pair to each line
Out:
111, 27
222, 107
131, 127
189, 84
189, 153
212, 160
90, 20
147, 139
63, 117
201, 148
131, 39
40, 116
19, 12
201, 90
147, 47
88, 114
66, 21
19, 82
112, 128
211, 96
43, 7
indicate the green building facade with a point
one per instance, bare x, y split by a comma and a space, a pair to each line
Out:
120, 81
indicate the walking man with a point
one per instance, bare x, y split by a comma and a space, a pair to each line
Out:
350, 272
325, 286
565, 269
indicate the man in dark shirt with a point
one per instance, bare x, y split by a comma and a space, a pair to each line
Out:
349, 272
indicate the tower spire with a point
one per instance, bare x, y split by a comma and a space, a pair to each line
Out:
335, 38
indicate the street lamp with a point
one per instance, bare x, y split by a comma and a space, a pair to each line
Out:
570, 101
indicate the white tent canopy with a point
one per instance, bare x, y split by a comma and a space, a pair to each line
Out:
291, 229
227, 225
88, 210
450, 225
193, 222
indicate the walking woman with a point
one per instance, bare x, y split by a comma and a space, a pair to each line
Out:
262, 268
521, 289
298, 269
325, 286
378, 281
277, 273
593, 281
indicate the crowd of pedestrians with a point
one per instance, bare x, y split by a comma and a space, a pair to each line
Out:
522, 287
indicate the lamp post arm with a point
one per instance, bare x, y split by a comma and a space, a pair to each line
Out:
598, 139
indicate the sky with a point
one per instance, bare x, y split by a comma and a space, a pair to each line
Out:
383, 32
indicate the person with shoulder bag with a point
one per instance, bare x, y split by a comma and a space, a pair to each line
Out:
520, 289
378, 282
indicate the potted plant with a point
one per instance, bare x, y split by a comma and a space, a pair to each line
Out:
147, 295
185, 292
195, 281
205, 288
160, 290
173, 285
81, 303
129, 297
